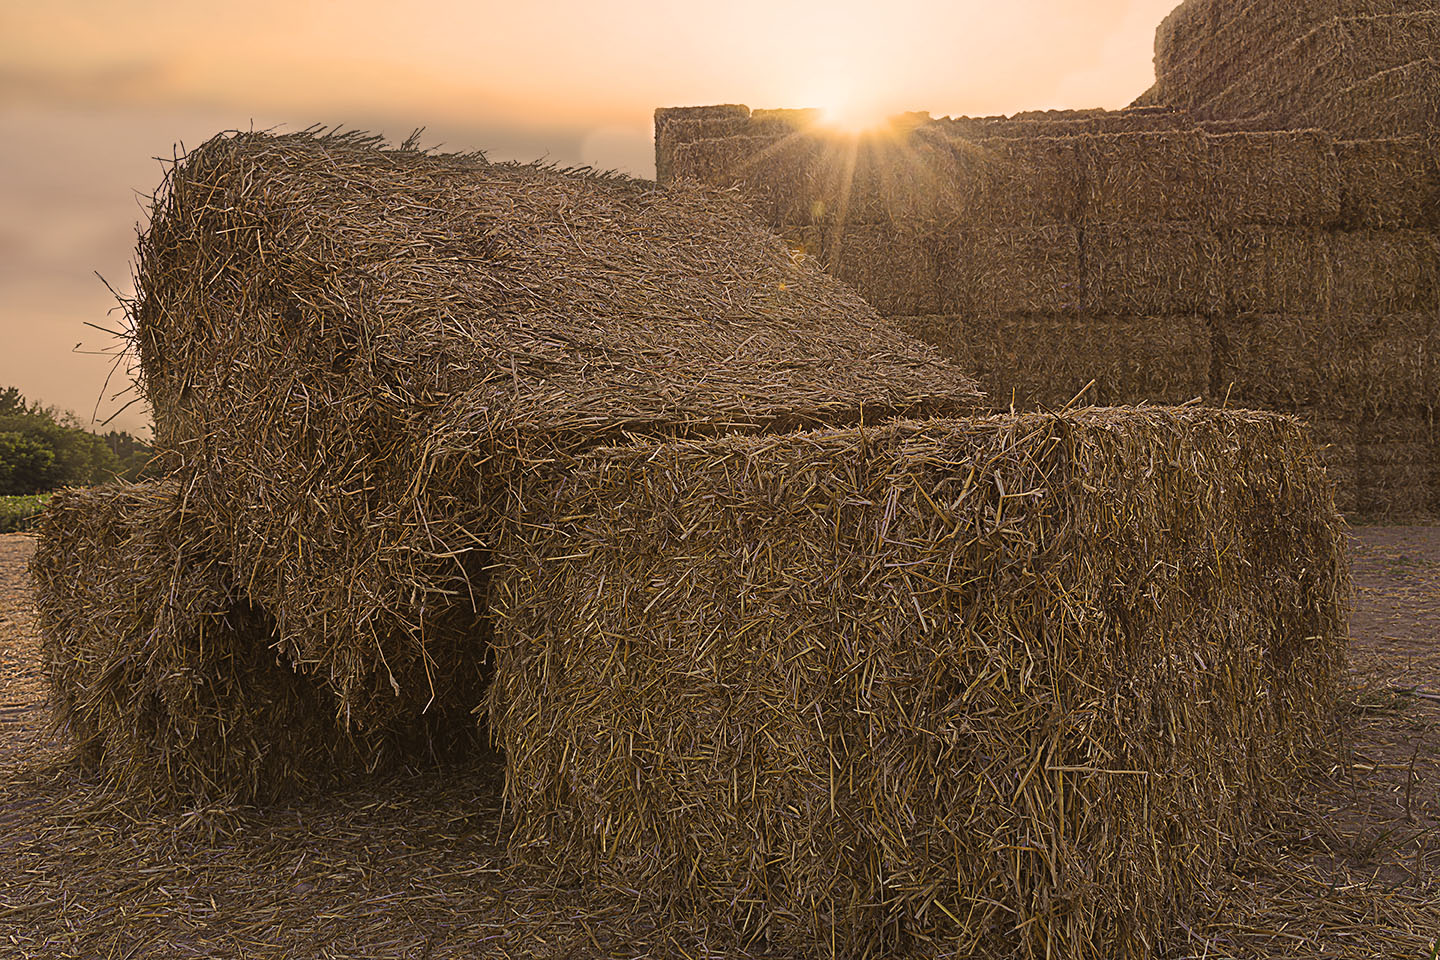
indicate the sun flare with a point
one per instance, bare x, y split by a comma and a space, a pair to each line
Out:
853, 116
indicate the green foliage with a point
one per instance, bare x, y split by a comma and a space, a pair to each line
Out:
16, 513
42, 449
26, 464
134, 454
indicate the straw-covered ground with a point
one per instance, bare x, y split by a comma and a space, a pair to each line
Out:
411, 866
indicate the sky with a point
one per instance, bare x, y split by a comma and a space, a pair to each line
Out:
93, 92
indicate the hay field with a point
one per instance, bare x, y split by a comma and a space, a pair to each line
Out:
411, 866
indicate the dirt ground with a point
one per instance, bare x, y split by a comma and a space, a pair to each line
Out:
413, 867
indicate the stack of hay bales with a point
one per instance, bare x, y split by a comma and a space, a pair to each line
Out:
1369, 71
358, 358
992, 687
1003, 684
1162, 258
1361, 68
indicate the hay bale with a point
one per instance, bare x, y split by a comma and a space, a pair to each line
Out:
782, 121
1389, 184
1028, 362
677, 125
1146, 177
1397, 463
882, 177
779, 177
1396, 101
1302, 64
1293, 361
894, 267
1273, 362
1402, 361
998, 687
999, 182
1334, 76
1022, 362
1010, 270
1065, 123
1384, 271
1274, 270
161, 673
1152, 269
1288, 178
676, 133
353, 350
892, 176
1340, 361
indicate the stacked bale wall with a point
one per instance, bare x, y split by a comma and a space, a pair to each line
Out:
1184, 260
1360, 68
997, 687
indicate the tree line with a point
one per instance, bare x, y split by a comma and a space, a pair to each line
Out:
44, 448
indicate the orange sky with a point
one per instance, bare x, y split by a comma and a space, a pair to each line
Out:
91, 92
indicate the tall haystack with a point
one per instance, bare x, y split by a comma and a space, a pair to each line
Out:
999, 687
164, 676
352, 350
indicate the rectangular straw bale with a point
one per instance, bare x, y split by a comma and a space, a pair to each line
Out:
1401, 433
1389, 184
1396, 494
719, 113
1161, 359
670, 136
1384, 271
162, 673
878, 178
1202, 37
1010, 270
1289, 361
1403, 360
677, 125
1029, 362
1338, 76
778, 176
1023, 363
1067, 123
1254, 123
1288, 178
1151, 269
1274, 270
718, 161
1397, 463
997, 182
893, 266
1000, 687
1397, 101
1145, 177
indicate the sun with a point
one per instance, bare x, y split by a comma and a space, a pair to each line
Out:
852, 115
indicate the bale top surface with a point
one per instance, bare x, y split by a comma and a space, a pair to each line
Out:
538, 299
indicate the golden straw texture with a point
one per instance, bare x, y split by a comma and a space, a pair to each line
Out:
1001, 687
